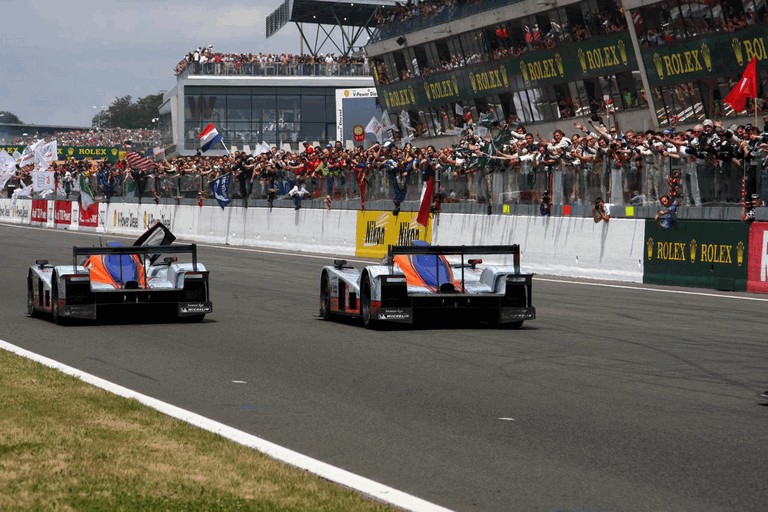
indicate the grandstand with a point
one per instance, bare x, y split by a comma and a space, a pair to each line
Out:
252, 97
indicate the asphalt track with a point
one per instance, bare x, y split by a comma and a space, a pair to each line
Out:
617, 398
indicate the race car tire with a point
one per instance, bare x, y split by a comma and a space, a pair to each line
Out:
57, 318
31, 311
194, 319
365, 303
325, 297
515, 325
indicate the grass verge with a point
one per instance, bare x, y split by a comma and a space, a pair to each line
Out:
66, 445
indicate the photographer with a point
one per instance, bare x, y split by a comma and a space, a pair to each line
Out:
748, 210
753, 150
67, 182
667, 217
545, 208
599, 211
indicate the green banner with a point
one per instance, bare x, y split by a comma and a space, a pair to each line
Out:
79, 152
703, 254
570, 62
721, 54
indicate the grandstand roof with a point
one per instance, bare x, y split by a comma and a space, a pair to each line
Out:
357, 13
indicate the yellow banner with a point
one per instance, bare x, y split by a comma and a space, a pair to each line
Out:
377, 230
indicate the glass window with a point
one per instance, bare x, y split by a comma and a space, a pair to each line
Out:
238, 108
204, 108
313, 109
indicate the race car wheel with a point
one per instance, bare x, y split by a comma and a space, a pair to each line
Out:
365, 303
31, 297
325, 297
55, 313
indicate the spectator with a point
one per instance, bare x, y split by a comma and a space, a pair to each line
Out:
298, 192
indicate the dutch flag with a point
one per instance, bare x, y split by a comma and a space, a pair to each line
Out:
208, 137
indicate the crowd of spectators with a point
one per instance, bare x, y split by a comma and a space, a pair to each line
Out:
109, 137
505, 40
495, 161
205, 60
672, 21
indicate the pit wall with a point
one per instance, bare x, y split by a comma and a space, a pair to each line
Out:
707, 254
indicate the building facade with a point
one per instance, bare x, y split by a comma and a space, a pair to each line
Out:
250, 105
659, 64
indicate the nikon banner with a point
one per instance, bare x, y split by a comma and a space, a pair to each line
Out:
703, 254
723, 54
377, 230
79, 152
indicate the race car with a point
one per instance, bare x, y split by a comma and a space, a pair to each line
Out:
419, 279
127, 280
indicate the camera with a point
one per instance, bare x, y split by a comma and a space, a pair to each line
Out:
749, 207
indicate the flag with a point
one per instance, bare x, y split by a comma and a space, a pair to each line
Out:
138, 162
208, 137
50, 151
7, 167
405, 122
220, 189
158, 153
43, 180
86, 195
386, 123
23, 191
745, 88
28, 155
458, 109
41, 163
374, 127
426, 201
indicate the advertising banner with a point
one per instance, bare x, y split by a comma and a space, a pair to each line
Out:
377, 230
567, 63
62, 213
15, 211
89, 218
78, 152
354, 109
758, 258
39, 211
703, 254
721, 54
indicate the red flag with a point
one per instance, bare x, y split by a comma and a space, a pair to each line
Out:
745, 88
426, 201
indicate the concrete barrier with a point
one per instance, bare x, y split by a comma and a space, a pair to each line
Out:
563, 246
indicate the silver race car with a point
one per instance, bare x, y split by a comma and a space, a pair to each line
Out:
418, 279
127, 280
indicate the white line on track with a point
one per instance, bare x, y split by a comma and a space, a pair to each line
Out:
652, 289
345, 478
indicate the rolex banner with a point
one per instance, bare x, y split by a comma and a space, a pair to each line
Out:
78, 152
702, 254
721, 54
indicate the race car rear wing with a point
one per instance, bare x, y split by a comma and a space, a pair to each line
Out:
137, 250
456, 250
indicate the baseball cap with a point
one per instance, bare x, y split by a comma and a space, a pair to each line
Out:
669, 131
707, 122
